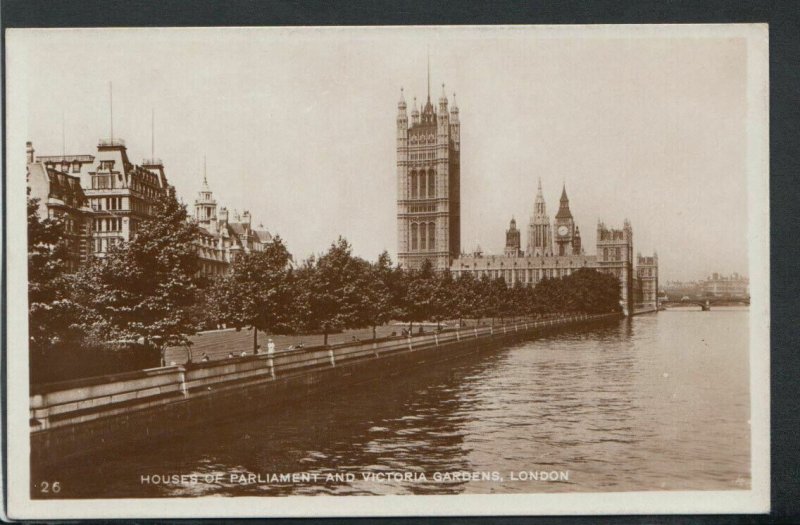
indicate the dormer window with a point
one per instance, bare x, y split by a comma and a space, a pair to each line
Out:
76, 167
106, 165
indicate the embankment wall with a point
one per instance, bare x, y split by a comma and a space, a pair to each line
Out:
71, 418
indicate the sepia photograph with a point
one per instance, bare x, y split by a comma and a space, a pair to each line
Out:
473, 270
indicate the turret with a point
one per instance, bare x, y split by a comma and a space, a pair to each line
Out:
29, 151
512, 239
540, 236
454, 111
402, 124
455, 125
443, 128
401, 109
205, 207
415, 113
576, 242
223, 216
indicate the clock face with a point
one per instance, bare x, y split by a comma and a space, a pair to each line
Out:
563, 230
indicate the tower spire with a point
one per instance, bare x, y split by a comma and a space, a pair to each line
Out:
205, 181
429, 74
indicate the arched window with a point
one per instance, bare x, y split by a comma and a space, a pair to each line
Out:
413, 236
422, 184
413, 184
605, 254
431, 185
423, 231
431, 236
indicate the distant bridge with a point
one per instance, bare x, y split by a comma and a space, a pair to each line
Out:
706, 304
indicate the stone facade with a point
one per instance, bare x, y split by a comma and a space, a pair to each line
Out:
647, 273
104, 197
513, 242
428, 184
733, 286
115, 195
61, 196
540, 261
222, 237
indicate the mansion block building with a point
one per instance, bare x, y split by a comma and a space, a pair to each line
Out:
222, 236
429, 219
103, 198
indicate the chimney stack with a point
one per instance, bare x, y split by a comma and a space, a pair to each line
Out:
29, 150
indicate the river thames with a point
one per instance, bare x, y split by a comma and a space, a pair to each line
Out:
657, 402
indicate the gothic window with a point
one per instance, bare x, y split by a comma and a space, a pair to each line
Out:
423, 231
413, 236
431, 184
431, 236
605, 254
413, 184
422, 185
617, 256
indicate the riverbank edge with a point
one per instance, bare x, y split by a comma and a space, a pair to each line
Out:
66, 425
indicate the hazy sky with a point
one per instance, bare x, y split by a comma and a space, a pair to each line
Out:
298, 126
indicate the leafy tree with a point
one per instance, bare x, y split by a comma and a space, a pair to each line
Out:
518, 299
591, 291
330, 293
146, 287
54, 317
466, 297
550, 295
419, 301
483, 297
378, 303
497, 298
445, 300
257, 293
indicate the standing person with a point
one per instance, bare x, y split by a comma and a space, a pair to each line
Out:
270, 347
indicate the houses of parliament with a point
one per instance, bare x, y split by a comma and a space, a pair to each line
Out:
429, 218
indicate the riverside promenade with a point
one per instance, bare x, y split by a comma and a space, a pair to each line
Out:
217, 344
71, 418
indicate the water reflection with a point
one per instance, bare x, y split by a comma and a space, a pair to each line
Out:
659, 402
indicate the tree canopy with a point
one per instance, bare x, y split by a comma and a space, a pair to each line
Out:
54, 317
257, 293
146, 287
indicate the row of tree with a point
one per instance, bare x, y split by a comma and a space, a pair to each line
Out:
150, 290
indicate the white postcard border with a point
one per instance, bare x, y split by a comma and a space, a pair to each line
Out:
756, 500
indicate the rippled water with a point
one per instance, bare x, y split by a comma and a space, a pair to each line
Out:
657, 402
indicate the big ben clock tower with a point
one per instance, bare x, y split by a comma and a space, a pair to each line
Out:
564, 226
